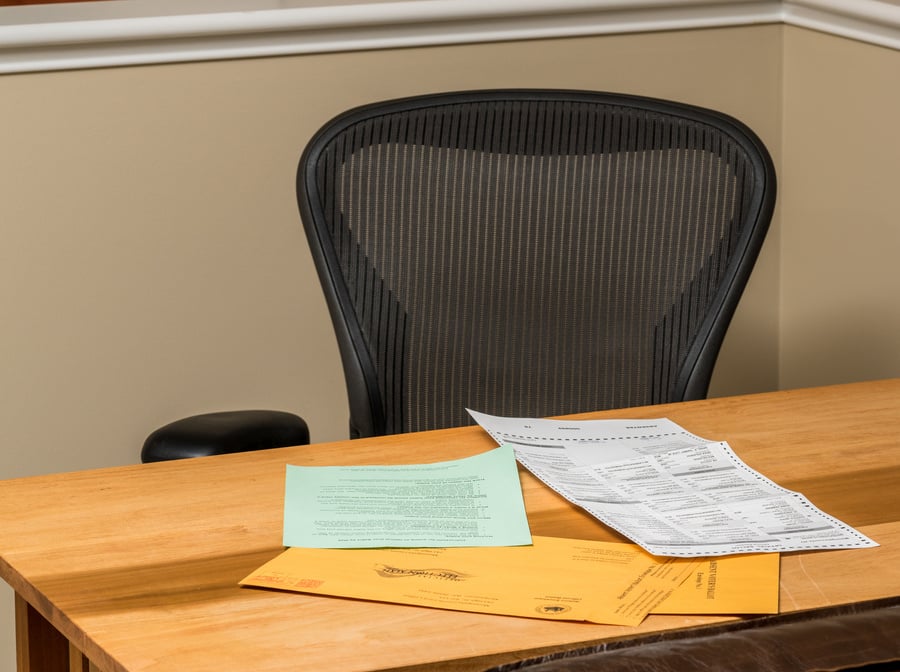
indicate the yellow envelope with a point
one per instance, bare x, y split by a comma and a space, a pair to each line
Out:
560, 579
733, 584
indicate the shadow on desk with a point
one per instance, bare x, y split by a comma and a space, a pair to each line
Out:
863, 637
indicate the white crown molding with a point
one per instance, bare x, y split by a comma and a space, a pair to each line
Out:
872, 21
112, 33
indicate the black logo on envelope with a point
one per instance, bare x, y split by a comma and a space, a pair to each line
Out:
391, 572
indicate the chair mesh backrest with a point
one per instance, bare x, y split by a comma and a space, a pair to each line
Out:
530, 253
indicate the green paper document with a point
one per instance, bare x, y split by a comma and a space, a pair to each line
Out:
474, 501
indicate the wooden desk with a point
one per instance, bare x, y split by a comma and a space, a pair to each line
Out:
137, 567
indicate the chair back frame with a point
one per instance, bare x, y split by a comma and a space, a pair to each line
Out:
379, 185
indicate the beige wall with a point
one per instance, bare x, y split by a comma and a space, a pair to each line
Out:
154, 265
840, 247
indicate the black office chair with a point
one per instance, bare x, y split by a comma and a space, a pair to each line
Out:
529, 252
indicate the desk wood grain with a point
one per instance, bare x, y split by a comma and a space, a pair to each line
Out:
138, 566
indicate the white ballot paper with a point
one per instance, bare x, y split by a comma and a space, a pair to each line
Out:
669, 491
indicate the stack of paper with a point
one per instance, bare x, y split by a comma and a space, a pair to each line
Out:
454, 535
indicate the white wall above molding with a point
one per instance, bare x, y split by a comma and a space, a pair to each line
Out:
134, 32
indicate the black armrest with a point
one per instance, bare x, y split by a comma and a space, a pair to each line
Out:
226, 432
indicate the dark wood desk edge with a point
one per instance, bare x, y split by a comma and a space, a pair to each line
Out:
876, 648
514, 660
